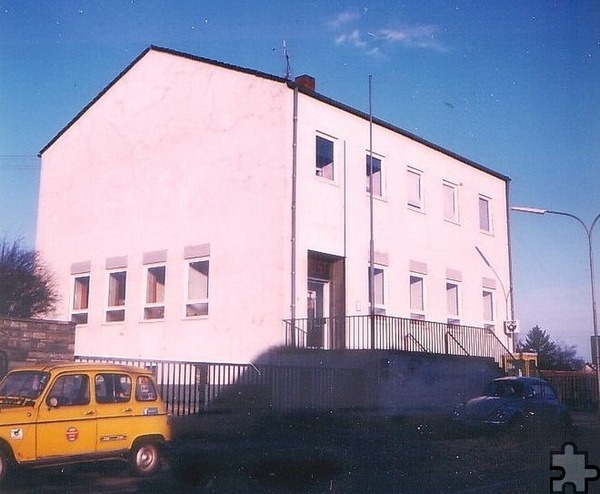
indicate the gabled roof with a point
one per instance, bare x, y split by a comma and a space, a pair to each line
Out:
290, 84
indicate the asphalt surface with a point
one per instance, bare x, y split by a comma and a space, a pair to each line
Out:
333, 453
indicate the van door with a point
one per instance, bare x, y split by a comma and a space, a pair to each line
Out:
66, 421
114, 410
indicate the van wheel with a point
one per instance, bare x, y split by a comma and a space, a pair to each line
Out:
5, 465
145, 458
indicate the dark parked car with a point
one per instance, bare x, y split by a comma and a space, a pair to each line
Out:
515, 403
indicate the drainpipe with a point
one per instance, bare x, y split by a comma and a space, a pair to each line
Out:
294, 204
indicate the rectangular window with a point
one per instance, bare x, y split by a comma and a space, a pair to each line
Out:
374, 169
197, 297
450, 202
81, 299
324, 158
452, 306
488, 306
113, 388
155, 293
485, 222
415, 196
378, 290
417, 297
116, 296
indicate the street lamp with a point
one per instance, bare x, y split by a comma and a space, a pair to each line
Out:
589, 231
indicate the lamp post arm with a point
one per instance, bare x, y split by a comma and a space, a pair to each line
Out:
576, 218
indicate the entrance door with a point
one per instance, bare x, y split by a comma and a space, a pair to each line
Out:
318, 310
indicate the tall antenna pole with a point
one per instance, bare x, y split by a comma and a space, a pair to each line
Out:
372, 234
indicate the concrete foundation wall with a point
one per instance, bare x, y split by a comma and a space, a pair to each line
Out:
384, 381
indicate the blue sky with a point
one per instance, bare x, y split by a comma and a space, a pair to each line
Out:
513, 85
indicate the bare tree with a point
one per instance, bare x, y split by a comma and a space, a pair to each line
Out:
27, 286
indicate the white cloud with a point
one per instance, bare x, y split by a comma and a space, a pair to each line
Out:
349, 32
342, 19
353, 38
422, 36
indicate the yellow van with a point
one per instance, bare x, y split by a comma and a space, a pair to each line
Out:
53, 414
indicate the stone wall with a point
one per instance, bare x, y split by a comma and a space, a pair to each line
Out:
35, 340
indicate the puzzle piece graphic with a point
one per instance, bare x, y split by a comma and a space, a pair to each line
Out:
574, 468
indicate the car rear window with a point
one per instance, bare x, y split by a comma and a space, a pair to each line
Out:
144, 389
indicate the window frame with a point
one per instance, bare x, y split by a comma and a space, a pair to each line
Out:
202, 301
379, 289
453, 313
377, 175
415, 312
155, 309
485, 228
118, 311
320, 170
452, 195
80, 315
489, 323
418, 204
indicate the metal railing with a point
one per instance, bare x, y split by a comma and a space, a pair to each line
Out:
381, 332
194, 387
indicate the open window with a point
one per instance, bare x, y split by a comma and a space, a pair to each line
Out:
155, 292
117, 284
81, 299
197, 288
374, 175
324, 158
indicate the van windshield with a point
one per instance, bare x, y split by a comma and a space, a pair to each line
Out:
19, 386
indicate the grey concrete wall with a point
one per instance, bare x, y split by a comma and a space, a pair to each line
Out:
390, 382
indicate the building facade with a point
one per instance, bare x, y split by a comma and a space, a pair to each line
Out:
193, 206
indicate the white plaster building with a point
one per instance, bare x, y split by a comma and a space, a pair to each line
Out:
194, 206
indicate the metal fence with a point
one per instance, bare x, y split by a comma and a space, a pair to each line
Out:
396, 333
194, 387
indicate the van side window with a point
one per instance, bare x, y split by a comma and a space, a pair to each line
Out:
144, 389
72, 389
113, 388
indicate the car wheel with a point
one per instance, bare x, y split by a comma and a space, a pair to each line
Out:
145, 458
5, 465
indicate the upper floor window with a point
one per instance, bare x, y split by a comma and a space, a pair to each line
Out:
117, 284
324, 158
81, 299
450, 202
417, 297
197, 288
485, 218
155, 292
374, 175
452, 303
415, 192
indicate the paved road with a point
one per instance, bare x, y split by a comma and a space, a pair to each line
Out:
333, 454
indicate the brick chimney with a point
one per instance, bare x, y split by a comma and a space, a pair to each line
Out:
306, 81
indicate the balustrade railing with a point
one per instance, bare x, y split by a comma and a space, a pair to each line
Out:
381, 332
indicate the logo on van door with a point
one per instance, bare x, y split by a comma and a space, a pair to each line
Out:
72, 434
